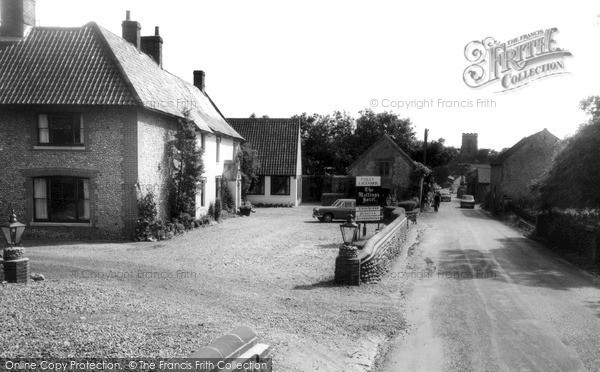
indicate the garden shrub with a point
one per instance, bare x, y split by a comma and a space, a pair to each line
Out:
226, 197
145, 225
217, 209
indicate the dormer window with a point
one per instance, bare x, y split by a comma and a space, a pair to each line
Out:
60, 129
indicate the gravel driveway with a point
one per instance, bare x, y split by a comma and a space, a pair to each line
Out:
272, 271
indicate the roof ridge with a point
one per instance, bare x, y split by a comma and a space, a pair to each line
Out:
106, 45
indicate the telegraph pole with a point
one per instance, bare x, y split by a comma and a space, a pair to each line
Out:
425, 164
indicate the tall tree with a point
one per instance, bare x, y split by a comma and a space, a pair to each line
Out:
370, 126
188, 167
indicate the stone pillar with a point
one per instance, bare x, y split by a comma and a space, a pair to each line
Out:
347, 266
16, 271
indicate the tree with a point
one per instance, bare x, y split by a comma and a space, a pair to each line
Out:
249, 165
326, 142
370, 127
573, 179
188, 167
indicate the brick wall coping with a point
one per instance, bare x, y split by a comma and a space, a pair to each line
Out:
16, 261
372, 245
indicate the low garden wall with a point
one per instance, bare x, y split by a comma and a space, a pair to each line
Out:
365, 265
565, 233
238, 350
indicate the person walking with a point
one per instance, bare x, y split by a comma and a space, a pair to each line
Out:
437, 200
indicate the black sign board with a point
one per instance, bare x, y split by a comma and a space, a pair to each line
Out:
371, 195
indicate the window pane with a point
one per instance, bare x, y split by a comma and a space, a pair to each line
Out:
69, 188
63, 210
84, 209
39, 185
280, 185
43, 133
41, 209
63, 129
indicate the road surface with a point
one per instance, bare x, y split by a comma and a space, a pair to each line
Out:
487, 299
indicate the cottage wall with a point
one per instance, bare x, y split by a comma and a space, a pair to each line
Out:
514, 176
214, 168
154, 132
102, 161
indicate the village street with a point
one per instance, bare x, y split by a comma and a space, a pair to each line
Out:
485, 298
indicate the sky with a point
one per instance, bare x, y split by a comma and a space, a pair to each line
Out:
281, 58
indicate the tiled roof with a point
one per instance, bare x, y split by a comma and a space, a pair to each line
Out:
90, 65
385, 138
61, 66
498, 160
275, 140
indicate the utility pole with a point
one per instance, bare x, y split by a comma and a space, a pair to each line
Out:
425, 147
424, 163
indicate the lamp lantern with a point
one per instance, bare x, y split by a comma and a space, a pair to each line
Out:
349, 230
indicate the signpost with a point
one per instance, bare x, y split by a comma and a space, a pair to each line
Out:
369, 196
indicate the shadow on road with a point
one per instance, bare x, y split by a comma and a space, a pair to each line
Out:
323, 284
518, 260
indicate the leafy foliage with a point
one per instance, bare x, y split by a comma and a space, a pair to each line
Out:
573, 179
217, 208
371, 126
226, 196
249, 166
188, 167
421, 172
147, 213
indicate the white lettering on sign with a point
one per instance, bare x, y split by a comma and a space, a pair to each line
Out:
368, 181
375, 208
368, 218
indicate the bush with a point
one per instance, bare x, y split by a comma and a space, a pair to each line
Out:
227, 198
145, 225
217, 209
273, 205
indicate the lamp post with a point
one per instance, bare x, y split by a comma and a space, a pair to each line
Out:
347, 263
16, 266
13, 231
349, 230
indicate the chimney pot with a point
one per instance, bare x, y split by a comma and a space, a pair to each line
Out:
131, 31
152, 46
156, 33
199, 79
17, 17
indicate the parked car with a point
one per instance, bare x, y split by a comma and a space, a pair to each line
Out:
467, 201
446, 197
339, 210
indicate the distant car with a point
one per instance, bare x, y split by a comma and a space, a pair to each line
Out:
467, 201
339, 210
446, 196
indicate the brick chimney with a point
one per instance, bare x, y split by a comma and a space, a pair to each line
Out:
199, 79
17, 17
131, 31
152, 46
